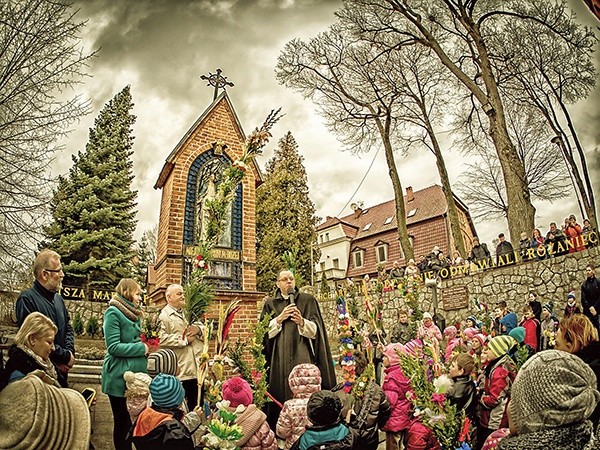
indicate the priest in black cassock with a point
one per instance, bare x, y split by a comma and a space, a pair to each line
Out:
296, 335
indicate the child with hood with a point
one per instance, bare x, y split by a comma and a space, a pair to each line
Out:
304, 380
396, 386
256, 433
327, 432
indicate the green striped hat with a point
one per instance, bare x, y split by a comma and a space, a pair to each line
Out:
500, 345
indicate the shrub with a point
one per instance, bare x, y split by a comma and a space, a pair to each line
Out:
92, 326
77, 325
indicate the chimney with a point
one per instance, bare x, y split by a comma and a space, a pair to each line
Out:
410, 196
357, 210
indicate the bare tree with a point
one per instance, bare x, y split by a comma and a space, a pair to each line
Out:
356, 94
458, 33
481, 185
549, 74
426, 90
41, 59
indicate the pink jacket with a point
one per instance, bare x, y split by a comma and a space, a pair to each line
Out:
449, 348
304, 379
395, 386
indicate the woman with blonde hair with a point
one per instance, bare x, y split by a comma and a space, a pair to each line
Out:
31, 350
124, 351
577, 335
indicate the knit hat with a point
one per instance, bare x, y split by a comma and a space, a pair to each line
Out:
499, 345
34, 414
414, 348
548, 307
304, 379
162, 361
552, 389
427, 316
480, 337
450, 331
470, 332
166, 391
237, 391
324, 408
392, 352
518, 334
571, 295
137, 383
474, 320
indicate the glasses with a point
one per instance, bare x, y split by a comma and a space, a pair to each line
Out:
54, 270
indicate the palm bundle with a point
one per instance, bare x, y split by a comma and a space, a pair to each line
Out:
225, 321
198, 297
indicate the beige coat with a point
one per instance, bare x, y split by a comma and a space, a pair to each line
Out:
172, 327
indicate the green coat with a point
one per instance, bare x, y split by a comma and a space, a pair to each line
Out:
124, 351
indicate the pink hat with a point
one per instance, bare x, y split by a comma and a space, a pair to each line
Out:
450, 331
470, 332
237, 391
414, 347
480, 337
392, 352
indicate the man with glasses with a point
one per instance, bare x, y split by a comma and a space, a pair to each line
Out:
296, 335
44, 297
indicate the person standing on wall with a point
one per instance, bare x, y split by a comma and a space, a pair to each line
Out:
590, 295
296, 335
44, 297
185, 340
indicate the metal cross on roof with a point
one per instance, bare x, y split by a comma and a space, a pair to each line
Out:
216, 80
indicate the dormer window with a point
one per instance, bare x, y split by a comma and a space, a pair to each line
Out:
358, 258
388, 220
381, 253
367, 226
412, 212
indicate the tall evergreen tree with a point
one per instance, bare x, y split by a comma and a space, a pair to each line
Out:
94, 207
285, 215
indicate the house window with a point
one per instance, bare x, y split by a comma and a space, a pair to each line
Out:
388, 220
322, 266
336, 263
412, 212
367, 226
326, 237
381, 252
358, 259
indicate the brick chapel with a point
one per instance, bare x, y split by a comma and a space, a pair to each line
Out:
191, 172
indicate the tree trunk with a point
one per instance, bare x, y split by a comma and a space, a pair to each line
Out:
457, 236
405, 245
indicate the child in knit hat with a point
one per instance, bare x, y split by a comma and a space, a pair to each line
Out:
137, 383
396, 386
548, 327
451, 342
160, 426
328, 430
428, 330
304, 380
256, 433
472, 322
553, 396
522, 351
494, 387
572, 307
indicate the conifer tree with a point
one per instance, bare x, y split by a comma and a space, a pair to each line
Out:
93, 208
285, 215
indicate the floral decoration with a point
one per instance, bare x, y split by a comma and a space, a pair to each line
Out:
346, 345
151, 330
222, 431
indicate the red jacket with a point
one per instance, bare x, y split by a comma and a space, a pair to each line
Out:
395, 386
493, 399
532, 331
419, 437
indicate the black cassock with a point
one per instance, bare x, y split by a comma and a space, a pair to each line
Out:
288, 349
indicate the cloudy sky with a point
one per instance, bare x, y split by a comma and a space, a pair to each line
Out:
161, 47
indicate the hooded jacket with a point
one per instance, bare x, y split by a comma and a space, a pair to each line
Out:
160, 429
304, 380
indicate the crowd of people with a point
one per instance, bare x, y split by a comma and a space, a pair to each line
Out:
569, 238
524, 378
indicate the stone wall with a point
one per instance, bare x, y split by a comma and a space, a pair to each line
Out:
551, 279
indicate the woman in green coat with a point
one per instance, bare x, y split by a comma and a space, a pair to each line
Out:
124, 351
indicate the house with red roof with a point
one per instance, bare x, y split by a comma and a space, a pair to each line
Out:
357, 244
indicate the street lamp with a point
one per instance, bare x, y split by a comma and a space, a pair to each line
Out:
437, 318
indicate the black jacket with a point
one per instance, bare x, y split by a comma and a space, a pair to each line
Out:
369, 414
17, 360
590, 296
591, 356
323, 441
463, 396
